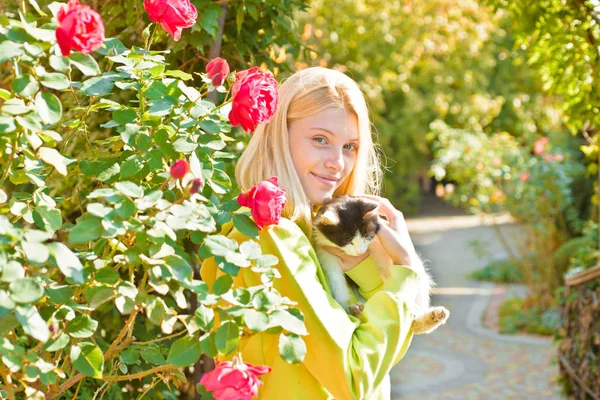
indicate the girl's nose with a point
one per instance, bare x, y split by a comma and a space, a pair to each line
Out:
335, 160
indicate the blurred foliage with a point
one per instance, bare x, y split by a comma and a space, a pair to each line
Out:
499, 271
516, 315
256, 32
573, 249
542, 184
455, 61
586, 254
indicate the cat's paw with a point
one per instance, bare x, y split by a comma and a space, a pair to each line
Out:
439, 315
356, 309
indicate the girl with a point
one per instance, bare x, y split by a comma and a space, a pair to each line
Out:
319, 145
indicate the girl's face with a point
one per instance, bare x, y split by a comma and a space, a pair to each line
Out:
324, 148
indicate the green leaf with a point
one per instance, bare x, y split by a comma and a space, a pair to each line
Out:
179, 74
82, 326
204, 317
264, 300
35, 252
222, 284
9, 50
60, 294
256, 321
126, 116
288, 322
131, 167
55, 80
12, 271
208, 344
6, 303
85, 63
125, 208
292, 348
107, 275
25, 85
97, 86
87, 229
156, 310
99, 295
245, 225
250, 250
54, 158
153, 356
47, 218
88, 359
99, 210
14, 107
48, 107
57, 344
26, 290
4, 94
67, 262
130, 356
31, 122
184, 352
217, 245
129, 189
112, 47
60, 64
7, 124
32, 323
227, 337
180, 268
267, 260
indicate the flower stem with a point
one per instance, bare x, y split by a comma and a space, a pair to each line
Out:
149, 41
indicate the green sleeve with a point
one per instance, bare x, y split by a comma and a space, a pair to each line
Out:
348, 356
367, 276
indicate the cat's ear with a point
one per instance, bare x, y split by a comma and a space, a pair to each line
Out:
369, 206
329, 217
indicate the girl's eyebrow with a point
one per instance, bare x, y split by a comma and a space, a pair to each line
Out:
331, 133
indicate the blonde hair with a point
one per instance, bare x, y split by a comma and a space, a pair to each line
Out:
306, 93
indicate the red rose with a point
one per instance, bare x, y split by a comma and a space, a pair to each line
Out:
196, 186
217, 70
173, 15
266, 200
180, 168
234, 380
80, 28
254, 97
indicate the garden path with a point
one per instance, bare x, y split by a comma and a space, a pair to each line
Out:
463, 359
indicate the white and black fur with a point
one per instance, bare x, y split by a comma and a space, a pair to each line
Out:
351, 224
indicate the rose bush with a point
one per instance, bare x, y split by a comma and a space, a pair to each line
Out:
105, 296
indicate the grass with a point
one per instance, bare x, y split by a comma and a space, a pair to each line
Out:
498, 271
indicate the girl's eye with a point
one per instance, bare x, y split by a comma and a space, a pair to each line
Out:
351, 146
320, 140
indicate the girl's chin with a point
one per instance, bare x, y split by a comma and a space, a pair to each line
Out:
319, 198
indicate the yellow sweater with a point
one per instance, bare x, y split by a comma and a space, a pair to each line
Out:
347, 357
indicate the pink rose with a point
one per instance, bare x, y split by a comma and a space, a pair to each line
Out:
266, 200
173, 15
234, 380
217, 70
179, 169
254, 97
80, 28
539, 146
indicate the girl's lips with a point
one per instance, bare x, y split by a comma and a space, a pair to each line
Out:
326, 181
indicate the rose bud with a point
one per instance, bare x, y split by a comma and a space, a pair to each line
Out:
196, 186
180, 168
217, 70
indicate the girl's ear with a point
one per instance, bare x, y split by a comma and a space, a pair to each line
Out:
329, 217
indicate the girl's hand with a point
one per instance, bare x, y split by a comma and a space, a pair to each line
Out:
393, 236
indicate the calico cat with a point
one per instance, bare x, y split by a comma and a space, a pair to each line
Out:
351, 224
